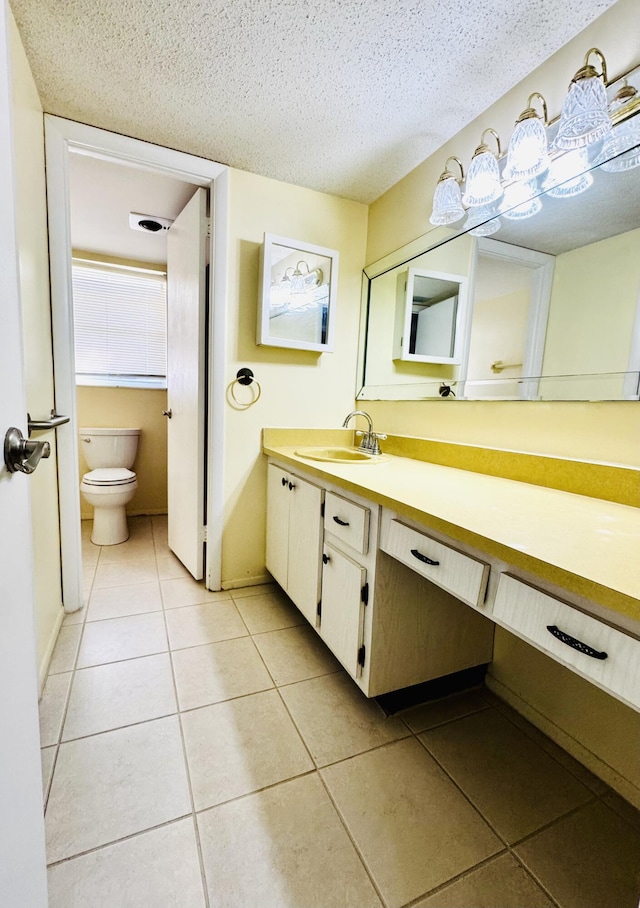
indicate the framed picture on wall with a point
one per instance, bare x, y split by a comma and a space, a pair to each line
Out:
297, 295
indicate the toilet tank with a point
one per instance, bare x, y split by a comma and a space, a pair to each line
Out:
109, 447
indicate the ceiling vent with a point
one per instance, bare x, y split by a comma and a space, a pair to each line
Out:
148, 223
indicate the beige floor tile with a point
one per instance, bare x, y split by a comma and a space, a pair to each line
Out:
282, 848
502, 883
119, 601
52, 706
623, 808
123, 573
336, 720
209, 623
88, 574
437, 712
47, 757
219, 671
268, 612
140, 549
156, 868
171, 568
554, 750
90, 552
243, 592
295, 654
409, 821
112, 785
122, 638
590, 859
140, 527
241, 746
76, 617
512, 781
64, 652
118, 694
187, 591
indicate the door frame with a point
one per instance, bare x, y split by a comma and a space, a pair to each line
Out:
61, 138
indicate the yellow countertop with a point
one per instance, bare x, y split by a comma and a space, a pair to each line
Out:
577, 537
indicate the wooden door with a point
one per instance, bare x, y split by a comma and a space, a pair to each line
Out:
278, 499
186, 378
305, 546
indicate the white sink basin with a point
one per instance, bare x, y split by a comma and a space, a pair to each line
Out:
338, 455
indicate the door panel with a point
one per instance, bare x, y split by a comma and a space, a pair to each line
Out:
305, 541
277, 524
342, 607
22, 856
186, 372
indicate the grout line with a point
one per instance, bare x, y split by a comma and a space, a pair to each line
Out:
203, 877
124, 838
456, 879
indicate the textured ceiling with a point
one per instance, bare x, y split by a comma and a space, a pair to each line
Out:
342, 96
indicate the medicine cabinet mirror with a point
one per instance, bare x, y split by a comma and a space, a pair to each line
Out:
430, 311
298, 295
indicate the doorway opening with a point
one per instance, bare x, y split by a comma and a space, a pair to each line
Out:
78, 158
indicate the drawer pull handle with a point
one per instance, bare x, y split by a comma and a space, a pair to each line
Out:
343, 523
421, 557
575, 644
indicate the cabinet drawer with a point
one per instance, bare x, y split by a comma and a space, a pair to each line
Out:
461, 575
571, 637
347, 521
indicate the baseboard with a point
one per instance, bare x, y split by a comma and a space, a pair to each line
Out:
247, 581
48, 653
598, 767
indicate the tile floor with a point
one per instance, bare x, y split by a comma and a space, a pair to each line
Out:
205, 749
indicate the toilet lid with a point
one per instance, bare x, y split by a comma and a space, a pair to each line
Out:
109, 476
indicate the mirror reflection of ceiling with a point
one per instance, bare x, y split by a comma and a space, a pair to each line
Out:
102, 193
339, 96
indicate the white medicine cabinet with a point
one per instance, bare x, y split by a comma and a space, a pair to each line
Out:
430, 312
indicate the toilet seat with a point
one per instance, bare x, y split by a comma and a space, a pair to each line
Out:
109, 476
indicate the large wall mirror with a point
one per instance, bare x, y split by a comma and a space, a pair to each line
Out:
553, 300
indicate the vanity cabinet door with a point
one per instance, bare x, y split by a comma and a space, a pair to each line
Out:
294, 538
342, 616
278, 500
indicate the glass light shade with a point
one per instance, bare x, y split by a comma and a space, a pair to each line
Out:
585, 114
482, 221
621, 151
528, 154
447, 203
567, 175
520, 201
483, 180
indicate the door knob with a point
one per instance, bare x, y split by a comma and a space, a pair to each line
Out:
23, 454
167, 413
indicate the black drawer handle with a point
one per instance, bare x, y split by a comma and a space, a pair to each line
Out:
284, 481
343, 523
325, 558
421, 557
575, 644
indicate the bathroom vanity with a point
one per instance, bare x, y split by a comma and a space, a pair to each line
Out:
404, 566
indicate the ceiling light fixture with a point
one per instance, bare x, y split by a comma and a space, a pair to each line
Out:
621, 151
447, 200
304, 280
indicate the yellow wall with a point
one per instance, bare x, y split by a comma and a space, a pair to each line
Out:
594, 298
34, 288
597, 431
299, 388
131, 408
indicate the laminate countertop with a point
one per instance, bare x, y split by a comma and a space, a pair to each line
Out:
588, 545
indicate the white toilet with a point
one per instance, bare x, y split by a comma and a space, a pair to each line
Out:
110, 484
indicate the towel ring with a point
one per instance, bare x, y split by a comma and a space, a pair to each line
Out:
245, 377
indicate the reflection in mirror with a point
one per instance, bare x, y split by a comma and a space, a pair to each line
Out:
297, 295
430, 310
554, 300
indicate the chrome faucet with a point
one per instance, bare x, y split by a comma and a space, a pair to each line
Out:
370, 440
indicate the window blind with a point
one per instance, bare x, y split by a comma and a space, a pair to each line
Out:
120, 325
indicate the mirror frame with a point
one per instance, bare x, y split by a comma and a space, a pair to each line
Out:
267, 262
